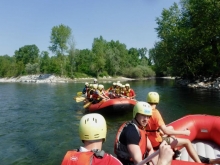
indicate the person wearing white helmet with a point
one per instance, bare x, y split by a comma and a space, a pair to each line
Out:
131, 143
84, 91
156, 123
129, 92
95, 81
92, 132
101, 93
111, 90
118, 89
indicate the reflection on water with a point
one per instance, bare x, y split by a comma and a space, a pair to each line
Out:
39, 122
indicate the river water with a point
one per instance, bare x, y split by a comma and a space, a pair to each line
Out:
39, 122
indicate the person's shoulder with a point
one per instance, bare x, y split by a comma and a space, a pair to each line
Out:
112, 160
130, 127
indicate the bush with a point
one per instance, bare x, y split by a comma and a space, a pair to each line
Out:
139, 72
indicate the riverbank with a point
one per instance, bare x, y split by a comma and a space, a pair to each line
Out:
50, 78
203, 83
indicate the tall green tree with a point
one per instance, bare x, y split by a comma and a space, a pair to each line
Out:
59, 43
99, 56
189, 39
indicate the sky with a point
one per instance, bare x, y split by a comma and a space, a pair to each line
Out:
28, 22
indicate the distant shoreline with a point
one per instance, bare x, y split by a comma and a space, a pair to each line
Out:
50, 78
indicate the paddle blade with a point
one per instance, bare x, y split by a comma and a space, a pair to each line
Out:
79, 99
87, 105
79, 93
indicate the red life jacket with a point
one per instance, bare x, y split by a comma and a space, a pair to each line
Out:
78, 158
95, 95
127, 92
82, 158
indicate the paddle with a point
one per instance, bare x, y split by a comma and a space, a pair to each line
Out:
79, 99
149, 158
89, 103
79, 93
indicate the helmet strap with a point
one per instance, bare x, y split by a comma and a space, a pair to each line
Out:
139, 125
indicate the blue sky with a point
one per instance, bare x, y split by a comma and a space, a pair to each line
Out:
27, 22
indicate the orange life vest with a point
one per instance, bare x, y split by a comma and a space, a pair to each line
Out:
121, 150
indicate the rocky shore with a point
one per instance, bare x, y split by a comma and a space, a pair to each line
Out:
203, 83
50, 78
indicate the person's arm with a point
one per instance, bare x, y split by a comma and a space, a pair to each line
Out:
135, 153
151, 151
165, 154
169, 131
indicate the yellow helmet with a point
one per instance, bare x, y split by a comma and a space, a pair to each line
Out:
153, 97
142, 108
90, 85
92, 127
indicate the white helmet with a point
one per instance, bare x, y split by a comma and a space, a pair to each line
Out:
92, 127
100, 86
86, 83
127, 85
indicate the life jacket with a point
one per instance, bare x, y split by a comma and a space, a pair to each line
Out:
117, 91
127, 92
81, 158
121, 150
95, 95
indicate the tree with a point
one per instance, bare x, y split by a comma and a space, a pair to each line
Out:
59, 38
27, 54
189, 39
98, 50
72, 56
45, 62
32, 68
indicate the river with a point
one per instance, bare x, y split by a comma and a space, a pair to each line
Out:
39, 122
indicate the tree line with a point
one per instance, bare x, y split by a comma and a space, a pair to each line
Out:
104, 59
188, 47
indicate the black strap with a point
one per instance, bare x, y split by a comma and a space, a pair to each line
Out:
158, 130
98, 153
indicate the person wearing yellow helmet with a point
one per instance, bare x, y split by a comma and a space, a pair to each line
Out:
131, 143
92, 132
156, 123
